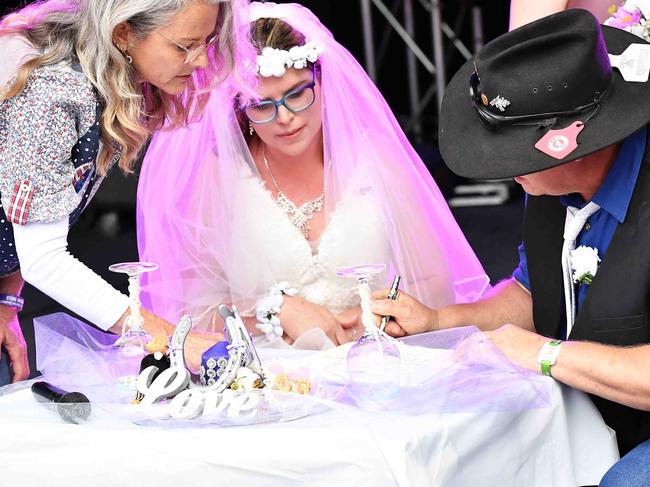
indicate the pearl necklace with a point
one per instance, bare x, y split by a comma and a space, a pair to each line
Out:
298, 215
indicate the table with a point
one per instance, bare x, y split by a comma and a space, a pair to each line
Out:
566, 444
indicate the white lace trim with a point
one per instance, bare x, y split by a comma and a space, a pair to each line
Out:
354, 234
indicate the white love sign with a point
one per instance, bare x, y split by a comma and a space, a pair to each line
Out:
168, 384
193, 403
190, 403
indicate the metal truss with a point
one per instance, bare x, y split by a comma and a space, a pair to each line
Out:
404, 27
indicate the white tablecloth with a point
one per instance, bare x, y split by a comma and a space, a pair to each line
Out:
566, 444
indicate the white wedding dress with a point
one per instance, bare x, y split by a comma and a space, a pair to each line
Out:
355, 234
219, 236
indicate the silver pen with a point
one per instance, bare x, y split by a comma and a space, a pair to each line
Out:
392, 294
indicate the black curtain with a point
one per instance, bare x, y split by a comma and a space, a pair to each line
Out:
9, 5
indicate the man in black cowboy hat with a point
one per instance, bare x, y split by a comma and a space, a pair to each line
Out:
543, 104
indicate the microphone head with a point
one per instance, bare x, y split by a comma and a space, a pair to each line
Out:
74, 407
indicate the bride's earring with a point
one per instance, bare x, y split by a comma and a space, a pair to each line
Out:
250, 128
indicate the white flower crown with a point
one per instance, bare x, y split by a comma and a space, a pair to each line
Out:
274, 62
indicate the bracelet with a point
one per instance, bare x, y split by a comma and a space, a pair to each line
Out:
548, 356
12, 301
268, 308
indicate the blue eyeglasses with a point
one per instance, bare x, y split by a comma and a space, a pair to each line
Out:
295, 101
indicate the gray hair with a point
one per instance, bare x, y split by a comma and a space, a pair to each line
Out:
65, 29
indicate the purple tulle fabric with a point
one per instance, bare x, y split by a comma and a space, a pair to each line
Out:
77, 357
451, 371
471, 375
195, 221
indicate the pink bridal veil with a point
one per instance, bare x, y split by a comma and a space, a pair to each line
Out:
194, 222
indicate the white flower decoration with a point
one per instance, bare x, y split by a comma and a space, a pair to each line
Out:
245, 379
637, 30
295, 53
274, 62
584, 263
631, 16
642, 5
283, 287
313, 51
269, 305
268, 308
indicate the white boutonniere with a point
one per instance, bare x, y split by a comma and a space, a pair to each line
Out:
584, 264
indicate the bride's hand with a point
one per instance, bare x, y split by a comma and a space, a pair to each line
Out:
299, 315
350, 320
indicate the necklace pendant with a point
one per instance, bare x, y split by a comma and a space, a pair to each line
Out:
300, 216
301, 222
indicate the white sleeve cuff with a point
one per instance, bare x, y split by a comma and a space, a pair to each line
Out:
45, 263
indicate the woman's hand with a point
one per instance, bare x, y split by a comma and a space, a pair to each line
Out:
350, 320
11, 338
195, 344
11, 335
299, 315
408, 315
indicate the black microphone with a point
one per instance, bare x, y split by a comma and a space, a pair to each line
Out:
73, 407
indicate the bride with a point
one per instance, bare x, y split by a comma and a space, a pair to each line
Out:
281, 184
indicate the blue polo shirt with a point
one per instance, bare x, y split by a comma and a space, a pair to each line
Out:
613, 197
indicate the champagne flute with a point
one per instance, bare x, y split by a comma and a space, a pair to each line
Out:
133, 338
374, 361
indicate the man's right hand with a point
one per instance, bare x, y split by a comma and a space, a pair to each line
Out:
11, 338
409, 316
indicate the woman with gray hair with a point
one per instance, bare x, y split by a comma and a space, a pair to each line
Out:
83, 84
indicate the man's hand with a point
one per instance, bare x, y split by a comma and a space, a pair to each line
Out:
11, 338
409, 316
520, 346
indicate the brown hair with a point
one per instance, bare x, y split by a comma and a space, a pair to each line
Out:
275, 33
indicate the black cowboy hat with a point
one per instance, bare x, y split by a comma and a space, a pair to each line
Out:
542, 76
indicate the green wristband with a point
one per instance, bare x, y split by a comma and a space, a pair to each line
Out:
546, 368
548, 356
